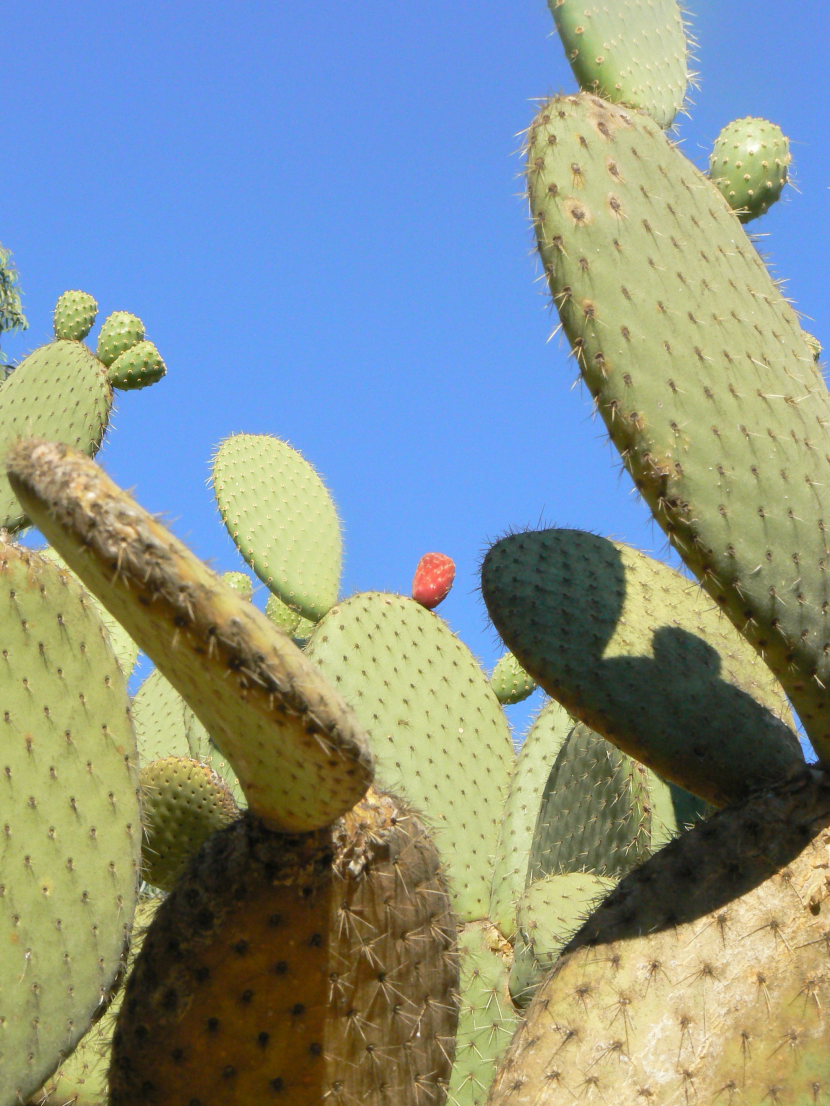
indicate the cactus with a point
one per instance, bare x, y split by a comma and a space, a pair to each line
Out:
510, 682
630, 52
601, 626
61, 392
749, 164
282, 520
71, 818
433, 579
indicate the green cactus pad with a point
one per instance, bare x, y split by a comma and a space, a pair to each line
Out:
306, 968
628, 52
706, 968
282, 615
240, 582
702, 374
536, 758
594, 812
282, 519
81, 1080
510, 682
183, 803
487, 1019
59, 392
75, 314
749, 164
137, 367
72, 833
125, 649
436, 729
299, 752
550, 912
630, 646
120, 332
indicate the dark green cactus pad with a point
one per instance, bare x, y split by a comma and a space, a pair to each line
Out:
550, 912
595, 811
137, 367
306, 968
510, 682
72, 834
536, 758
299, 752
120, 332
701, 977
75, 314
436, 729
60, 393
282, 519
629, 52
487, 1019
125, 649
182, 803
701, 372
81, 1080
749, 164
630, 647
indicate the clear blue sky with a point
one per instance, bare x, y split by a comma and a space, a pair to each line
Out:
316, 210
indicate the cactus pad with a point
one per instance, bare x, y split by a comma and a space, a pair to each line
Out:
701, 372
310, 967
137, 367
299, 753
75, 314
281, 518
436, 729
701, 977
487, 1019
510, 682
749, 164
629, 52
183, 803
120, 332
630, 646
72, 833
240, 582
58, 392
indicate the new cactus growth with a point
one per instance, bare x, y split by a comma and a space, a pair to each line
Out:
510, 682
749, 164
75, 315
433, 579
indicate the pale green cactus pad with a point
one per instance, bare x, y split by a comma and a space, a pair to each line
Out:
75, 314
702, 977
182, 803
125, 649
59, 392
72, 836
299, 752
550, 912
536, 758
630, 647
510, 682
240, 582
631, 52
137, 367
81, 1080
282, 519
120, 332
487, 1019
749, 164
699, 367
436, 729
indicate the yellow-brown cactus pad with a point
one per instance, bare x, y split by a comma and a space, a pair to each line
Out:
300, 754
304, 969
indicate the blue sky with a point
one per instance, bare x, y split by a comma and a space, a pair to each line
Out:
316, 210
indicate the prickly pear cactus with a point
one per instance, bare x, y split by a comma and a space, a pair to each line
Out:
701, 372
631, 52
75, 315
601, 625
282, 519
72, 831
749, 164
510, 682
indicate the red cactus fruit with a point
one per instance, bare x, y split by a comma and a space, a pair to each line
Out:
433, 579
